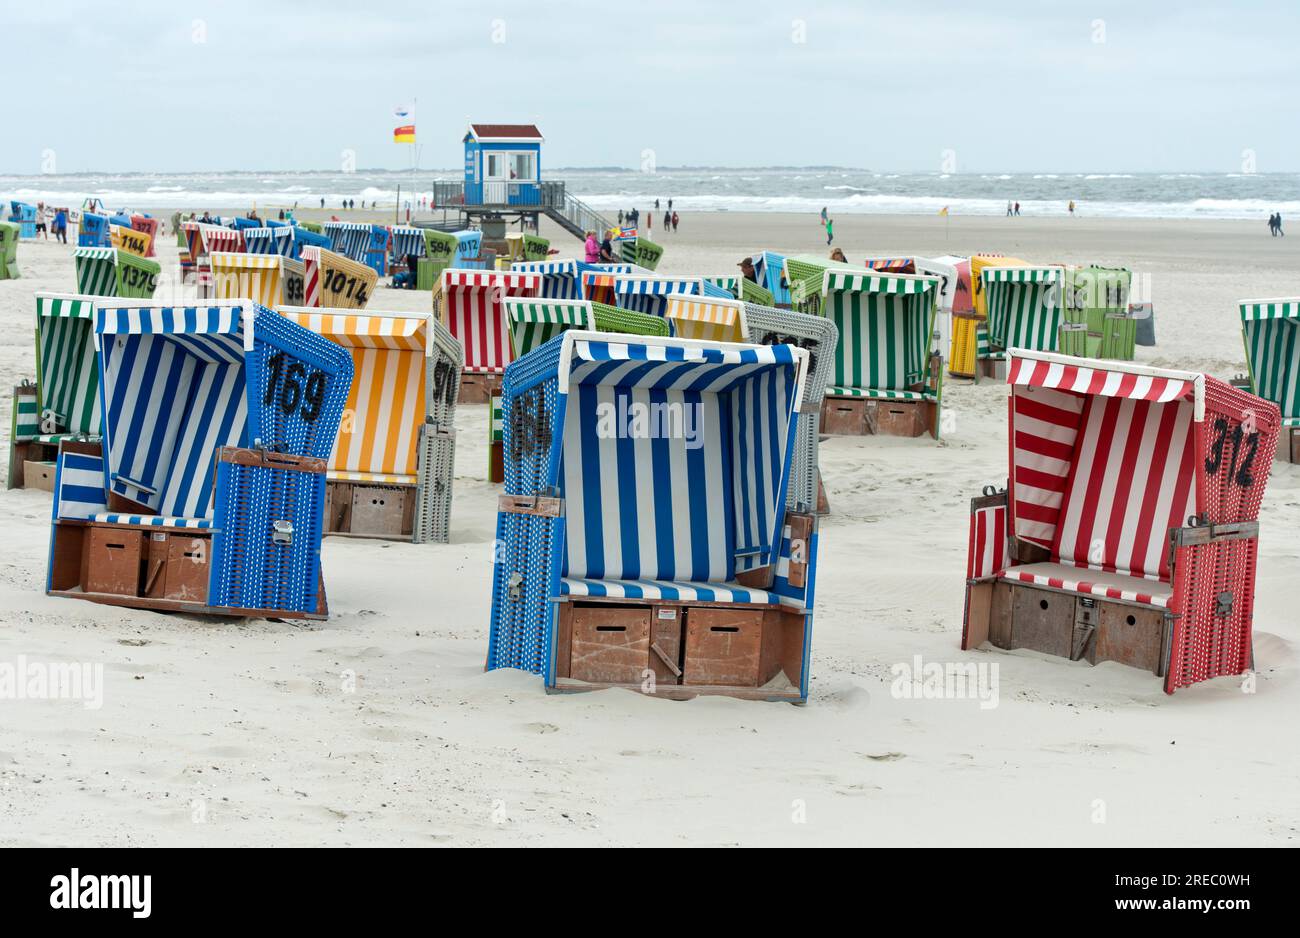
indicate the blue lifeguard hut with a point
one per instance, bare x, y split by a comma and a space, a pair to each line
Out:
503, 164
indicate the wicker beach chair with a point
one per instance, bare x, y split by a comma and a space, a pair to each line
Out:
110, 272
1271, 331
1136, 547
268, 279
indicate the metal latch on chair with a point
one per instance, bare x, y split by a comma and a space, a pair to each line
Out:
1223, 604
515, 586
282, 532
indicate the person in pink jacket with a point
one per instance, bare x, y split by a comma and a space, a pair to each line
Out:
593, 248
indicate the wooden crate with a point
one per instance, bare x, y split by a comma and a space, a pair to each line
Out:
723, 646
844, 416
1130, 635
609, 644
897, 418
38, 474
478, 388
112, 561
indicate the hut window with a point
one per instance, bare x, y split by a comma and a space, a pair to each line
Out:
522, 166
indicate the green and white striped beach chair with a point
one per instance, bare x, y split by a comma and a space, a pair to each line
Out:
1024, 306
110, 272
805, 273
496, 443
534, 322
1271, 331
64, 401
887, 376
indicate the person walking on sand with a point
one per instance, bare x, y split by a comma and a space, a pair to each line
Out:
825, 215
670, 205
1017, 209
830, 231
607, 255
61, 225
668, 222
42, 221
1072, 208
656, 205
1280, 232
1008, 208
1272, 225
674, 223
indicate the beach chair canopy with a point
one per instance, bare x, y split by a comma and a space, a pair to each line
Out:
534, 322
978, 262
92, 231
356, 240
468, 303
220, 238
649, 294
706, 317
1024, 306
267, 240
335, 281
1271, 329
388, 401
110, 272
885, 323
178, 382
769, 267
805, 273
407, 242
1107, 457
268, 279
672, 459
559, 277
67, 375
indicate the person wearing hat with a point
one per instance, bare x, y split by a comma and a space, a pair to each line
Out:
838, 255
747, 269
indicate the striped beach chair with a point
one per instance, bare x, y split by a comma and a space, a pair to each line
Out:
147, 226
559, 278
1271, 331
769, 267
64, 401
267, 240
819, 337
270, 280
334, 281
648, 294
110, 272
389, 472
971, 353
535, 321
805, 273
468, 303
1129, 531
706, 317
129, 239
945, 268
1024, 306
205, 492
887, 377
644, 539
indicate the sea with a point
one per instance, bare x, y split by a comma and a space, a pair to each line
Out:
709, 189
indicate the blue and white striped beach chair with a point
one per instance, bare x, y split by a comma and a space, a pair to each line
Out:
207, 491
644, 540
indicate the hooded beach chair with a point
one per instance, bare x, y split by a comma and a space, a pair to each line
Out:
8, 251
128, 239
819, 337
390, 472
206, 493
1024, 307
23, 214
92, 231
468, 303
1096, 321
64, 401
970, 351
648, 293
559, 281
534, 321
147, 226
1129, 528
334, 281
270, 280
806, 275
1271, 330
887, 377
769, 267
110, 272
268, 240
717, 319
220, 238
643, 537
945, 268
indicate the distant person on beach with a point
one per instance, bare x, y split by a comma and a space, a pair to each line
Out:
668, 222
1072, 208
838, 255
656, 205
674, 223
1017, 209
592, 248
825, 215
650, 220
1008, 208
322, 202
747, 269
61, 225
1280, 232
607, 255
830, 230
42, 220
670, 205
620, 216
1272, 225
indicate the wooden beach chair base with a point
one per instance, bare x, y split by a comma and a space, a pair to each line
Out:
861, 416
680, 650
479, 388
995, 368
1291, 444
360, 509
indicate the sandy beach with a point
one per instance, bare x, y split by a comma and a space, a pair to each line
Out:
379, 726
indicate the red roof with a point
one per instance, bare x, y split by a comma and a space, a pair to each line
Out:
511, 131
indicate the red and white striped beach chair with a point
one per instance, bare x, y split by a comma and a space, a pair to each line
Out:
1129, 528
468, 303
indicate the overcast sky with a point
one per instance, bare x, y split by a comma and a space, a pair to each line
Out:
1007, 86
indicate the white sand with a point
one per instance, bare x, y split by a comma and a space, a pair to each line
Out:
246, 723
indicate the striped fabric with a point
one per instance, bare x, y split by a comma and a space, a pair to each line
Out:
268, 279
153, 521
534, 322
1271, 329
649, 295
79, 486
173, 390
351, 239
674, 457
885, 324
219, 238
769, 267
406, 242
559, 278
67, 374
667, 589
1044, 426
471, 309
386, 404
879, 394
271, 241
1111, 380
334, 281
1024, 306
1104, 585
987, 553
717, 320
1132, 479
96, 271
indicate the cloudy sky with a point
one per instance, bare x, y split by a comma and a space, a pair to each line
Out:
1035, 85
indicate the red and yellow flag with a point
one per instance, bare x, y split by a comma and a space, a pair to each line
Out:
404, 132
